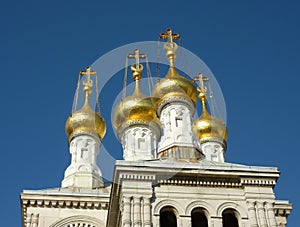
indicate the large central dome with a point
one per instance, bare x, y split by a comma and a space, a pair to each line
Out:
173, 86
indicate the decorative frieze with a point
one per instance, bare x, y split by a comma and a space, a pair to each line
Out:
262, 182
208, 183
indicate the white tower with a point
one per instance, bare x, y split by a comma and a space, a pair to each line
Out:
175, 98
135, 120
85, 129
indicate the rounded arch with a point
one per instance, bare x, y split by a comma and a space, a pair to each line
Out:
168, 203
199, 217
234, 206
199, 204
86, 220
231, 218
168, 217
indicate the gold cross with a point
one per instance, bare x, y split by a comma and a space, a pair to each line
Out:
137, 57
169, 35
201, 80
88, 73
88, 83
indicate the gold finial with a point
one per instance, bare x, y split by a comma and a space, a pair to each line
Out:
137, 68
201, 89
169, 35
87, 83
170, 47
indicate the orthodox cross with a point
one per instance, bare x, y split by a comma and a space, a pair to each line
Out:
137, 57
201, 79
169, 35
88, 83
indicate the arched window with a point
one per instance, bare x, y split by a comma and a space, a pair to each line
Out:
199, 218
168, 217
229, 217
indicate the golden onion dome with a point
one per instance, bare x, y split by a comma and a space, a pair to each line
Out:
208, 127
173, 86
136, 108
85, 121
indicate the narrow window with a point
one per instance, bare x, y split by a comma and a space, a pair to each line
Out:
178, 121
199, 219
229, 218
168, 219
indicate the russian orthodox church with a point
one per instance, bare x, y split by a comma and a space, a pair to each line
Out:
174, 171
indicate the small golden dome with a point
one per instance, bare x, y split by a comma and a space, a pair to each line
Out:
174, 85
136, 108
208, 127
85, 120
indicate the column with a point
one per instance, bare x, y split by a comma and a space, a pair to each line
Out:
126, 220
271, 214
252, 214
28, 220
137, 212
35, 220
261, 214
147, 212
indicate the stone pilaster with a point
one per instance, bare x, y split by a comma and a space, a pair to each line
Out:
126, 216
137, 222
147, 212
261, 214
271, 214
252, 214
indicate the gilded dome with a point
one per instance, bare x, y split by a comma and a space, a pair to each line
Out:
174, 85
86, 121
136, 108
208, 127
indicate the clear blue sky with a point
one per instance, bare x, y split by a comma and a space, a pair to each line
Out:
252, 47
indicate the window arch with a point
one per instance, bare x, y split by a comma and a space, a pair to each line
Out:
168, 217
230, 218
79, 220
199, 218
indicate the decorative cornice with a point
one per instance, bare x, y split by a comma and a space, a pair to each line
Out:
136, 176
176, 99
258, 182
65, 204
62, 201
202, 183
282, 210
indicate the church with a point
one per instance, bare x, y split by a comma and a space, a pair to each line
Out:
174, 171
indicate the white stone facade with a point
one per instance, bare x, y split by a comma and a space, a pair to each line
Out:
65, 207
246, 191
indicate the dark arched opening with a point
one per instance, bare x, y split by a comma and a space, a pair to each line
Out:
167, 218
199, 218
229, 218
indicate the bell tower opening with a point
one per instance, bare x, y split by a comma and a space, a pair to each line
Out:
168, 217
199, 218
229, 218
